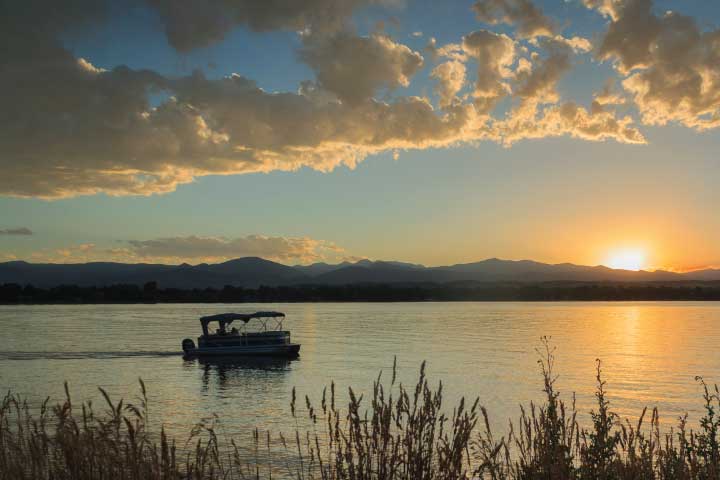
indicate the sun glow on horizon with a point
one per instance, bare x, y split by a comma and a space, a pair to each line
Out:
631, 259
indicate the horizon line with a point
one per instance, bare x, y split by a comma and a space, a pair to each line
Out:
367, 259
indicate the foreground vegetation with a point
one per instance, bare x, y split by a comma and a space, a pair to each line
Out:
398, 434
13, 293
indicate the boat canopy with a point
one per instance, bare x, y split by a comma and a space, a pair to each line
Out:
225, 319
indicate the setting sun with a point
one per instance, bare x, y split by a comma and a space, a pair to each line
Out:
626, 260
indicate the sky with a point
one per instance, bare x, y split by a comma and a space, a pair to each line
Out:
581, 131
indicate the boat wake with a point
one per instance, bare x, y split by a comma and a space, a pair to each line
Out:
83, 355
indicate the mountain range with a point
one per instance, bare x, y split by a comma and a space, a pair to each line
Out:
254, 271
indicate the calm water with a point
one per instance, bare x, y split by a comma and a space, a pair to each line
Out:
651, 354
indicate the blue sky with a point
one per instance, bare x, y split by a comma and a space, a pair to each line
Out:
564, 197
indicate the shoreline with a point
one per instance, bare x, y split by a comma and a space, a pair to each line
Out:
561, 291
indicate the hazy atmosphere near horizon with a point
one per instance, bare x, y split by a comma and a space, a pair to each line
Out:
582, 131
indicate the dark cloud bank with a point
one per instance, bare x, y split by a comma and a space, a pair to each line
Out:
16, 231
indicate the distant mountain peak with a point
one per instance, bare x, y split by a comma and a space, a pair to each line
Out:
15, 262
245, 260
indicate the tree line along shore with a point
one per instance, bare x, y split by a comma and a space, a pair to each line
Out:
151, 292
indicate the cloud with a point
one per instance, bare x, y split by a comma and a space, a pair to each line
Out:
494, 54
94, 130
578, 44
532, 84
286, 131
16, 231
197, 23
355, 67
538, 83
81, 253
608, 8
84, 252
192, 24
540, 113
70, 128
451, 79
609, 95
569, 119
530, 20
453, 51
631, 36
194, 248
671, 66
198, 249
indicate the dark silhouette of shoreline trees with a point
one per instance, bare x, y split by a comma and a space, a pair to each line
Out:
151, 292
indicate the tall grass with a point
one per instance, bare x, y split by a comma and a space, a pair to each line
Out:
398, 433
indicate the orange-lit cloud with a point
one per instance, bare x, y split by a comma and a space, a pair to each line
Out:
494, 54
198, 249
451, 79
529, 19
355, 67
671, 67
209, 249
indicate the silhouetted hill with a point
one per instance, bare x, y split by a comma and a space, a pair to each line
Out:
95, 273
250, 271
710, 274
495, 270
378, 272
254, 271
320, 268
491, 270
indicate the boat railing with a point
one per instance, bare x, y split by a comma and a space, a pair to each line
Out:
252, 338
268, 324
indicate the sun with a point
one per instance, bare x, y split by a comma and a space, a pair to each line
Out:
626, 260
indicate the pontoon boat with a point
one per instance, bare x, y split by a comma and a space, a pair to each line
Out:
268, 338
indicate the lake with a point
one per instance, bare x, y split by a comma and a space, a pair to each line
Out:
651, 354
